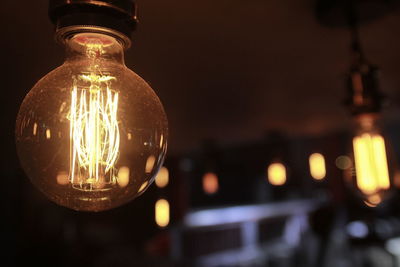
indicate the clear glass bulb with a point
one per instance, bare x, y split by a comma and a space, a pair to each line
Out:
91, 134
373, 167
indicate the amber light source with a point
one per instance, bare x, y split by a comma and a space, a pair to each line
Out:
92, 134
162, 212
276, 174
371, 163
372, 172
317, 166
210, 183
162, 178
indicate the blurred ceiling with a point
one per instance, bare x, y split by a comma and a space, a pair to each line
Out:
226, 70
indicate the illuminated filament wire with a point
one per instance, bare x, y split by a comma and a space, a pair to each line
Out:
372, 172
94, 133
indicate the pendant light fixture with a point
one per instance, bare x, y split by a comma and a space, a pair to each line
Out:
92, 134
372, 170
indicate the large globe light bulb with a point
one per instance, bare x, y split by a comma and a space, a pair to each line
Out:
91, 134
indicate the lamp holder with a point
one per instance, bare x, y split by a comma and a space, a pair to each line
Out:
115, 17
364, 95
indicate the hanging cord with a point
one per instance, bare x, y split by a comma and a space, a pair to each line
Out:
356, 49
364, 95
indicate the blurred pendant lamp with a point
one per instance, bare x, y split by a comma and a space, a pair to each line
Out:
210, 180
92, 134
276, 171
373, 169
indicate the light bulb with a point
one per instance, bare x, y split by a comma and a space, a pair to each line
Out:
210, 183
91, 134
276, 174
373, 171
317, 166
162, 212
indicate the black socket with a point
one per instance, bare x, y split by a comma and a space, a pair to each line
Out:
364, 95
118, 15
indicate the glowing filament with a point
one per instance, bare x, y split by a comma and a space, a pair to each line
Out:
372, 172
277, 174
317, 166
94, 133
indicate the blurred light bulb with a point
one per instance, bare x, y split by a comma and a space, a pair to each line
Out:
91, 134
162, 213
373, 177
317, 166
277, 174
343, 162
210, 183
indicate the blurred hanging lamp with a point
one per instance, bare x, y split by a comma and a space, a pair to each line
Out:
92, 134
210, 180
276, 172
373, 169
317, 166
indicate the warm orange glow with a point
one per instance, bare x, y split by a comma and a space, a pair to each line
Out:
317, 166
162, 212
123, 176
373, 201
372, 172
210, 183
396, 179
48, 134
150, 164
34, 130
162, 177
143, 186
277, 174
62, 178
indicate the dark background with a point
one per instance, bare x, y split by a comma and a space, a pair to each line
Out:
229, 71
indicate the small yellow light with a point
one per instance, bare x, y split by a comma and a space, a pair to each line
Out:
162, 212
48, 134
123, 176
150, 164
210, 183
317, 166
277, 174
162, 177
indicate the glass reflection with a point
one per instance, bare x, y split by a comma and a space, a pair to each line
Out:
123, 176
150, 163
162, 177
